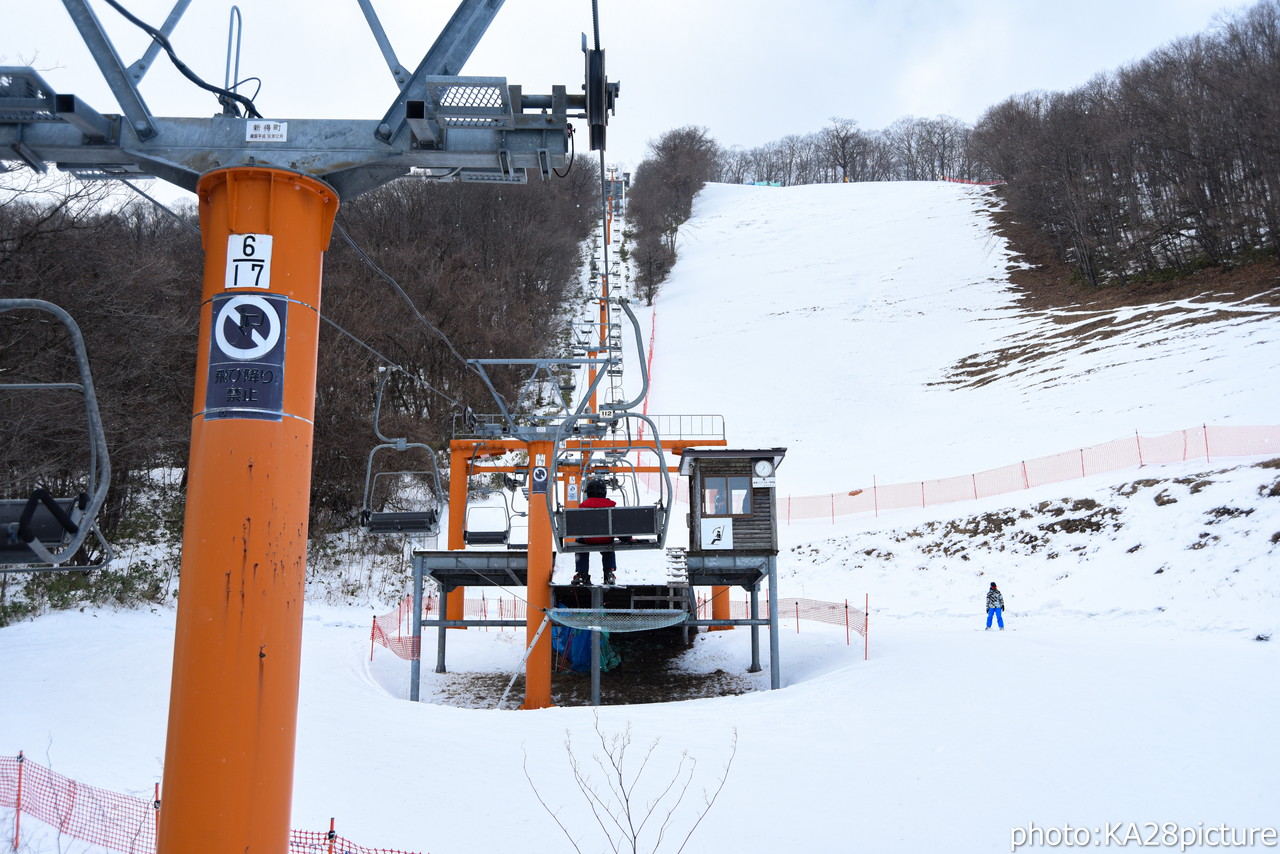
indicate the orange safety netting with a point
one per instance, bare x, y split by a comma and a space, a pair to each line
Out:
314, 842
1134, 451
113, 821
833, 613
1130, 452
394, 630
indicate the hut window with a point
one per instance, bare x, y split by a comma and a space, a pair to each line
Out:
726, 496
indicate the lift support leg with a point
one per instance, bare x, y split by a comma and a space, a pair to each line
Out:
228, 772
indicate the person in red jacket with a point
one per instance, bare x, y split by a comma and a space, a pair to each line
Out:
597, 494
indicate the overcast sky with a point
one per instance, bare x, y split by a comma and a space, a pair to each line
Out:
749, 71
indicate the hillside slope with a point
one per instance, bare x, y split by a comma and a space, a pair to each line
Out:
872, 329
838, 322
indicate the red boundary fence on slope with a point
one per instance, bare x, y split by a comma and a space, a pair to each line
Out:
854, 620
1205, 442
1130, 452
394, 629
113, 821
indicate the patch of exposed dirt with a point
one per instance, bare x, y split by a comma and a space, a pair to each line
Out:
649, 673
1023, 532
1047, 284
1073, 316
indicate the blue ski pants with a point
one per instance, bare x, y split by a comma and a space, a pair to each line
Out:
998, 613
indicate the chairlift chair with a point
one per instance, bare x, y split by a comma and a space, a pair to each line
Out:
490, 524
626, 526
487, 525
425, 521
40, 531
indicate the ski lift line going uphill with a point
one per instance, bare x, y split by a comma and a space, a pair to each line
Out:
425, 521
41, 532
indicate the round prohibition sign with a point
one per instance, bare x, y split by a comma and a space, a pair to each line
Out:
539, 475
258, 323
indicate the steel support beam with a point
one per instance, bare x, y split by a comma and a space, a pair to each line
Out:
451, 50
113, 70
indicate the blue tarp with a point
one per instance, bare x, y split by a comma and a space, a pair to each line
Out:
574, 647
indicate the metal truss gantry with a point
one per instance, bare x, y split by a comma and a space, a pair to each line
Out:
466, 128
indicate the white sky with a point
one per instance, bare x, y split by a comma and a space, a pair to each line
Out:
747, 70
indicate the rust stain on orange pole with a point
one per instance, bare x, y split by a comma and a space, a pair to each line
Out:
228, 774
537, 671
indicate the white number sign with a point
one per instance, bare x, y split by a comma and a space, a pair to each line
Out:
249, 261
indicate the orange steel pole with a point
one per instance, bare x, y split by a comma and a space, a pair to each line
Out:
719, 607
454, 606
537, 671
457, 496
228, 771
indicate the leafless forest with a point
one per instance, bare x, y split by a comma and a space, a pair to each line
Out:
1147, 173
1153, 170
490, 268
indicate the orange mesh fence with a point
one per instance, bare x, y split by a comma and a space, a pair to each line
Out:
832, 613
1133, 451
394, 630
312, 842
854, 620
488, 607
113, 821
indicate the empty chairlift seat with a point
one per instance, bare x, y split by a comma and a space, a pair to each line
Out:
41, 531
412, 522
487, 525
35, 529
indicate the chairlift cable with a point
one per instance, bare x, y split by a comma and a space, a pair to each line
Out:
188, 226
391, 364
404, 295
226, 97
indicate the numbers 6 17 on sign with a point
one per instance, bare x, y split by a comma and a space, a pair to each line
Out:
249, 261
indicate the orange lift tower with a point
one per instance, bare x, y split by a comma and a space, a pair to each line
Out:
553, 436
268, 190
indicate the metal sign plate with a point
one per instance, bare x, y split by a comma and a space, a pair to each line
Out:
716, 533
538, 480
246, 357
248, 261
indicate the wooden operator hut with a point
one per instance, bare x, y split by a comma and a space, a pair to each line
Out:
733, 535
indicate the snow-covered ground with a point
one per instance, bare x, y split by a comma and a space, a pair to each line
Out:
1130, 698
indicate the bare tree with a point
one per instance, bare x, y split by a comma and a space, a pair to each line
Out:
1168, 165
634, 812
680, 163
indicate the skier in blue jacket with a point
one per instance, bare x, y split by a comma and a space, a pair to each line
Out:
995, 606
